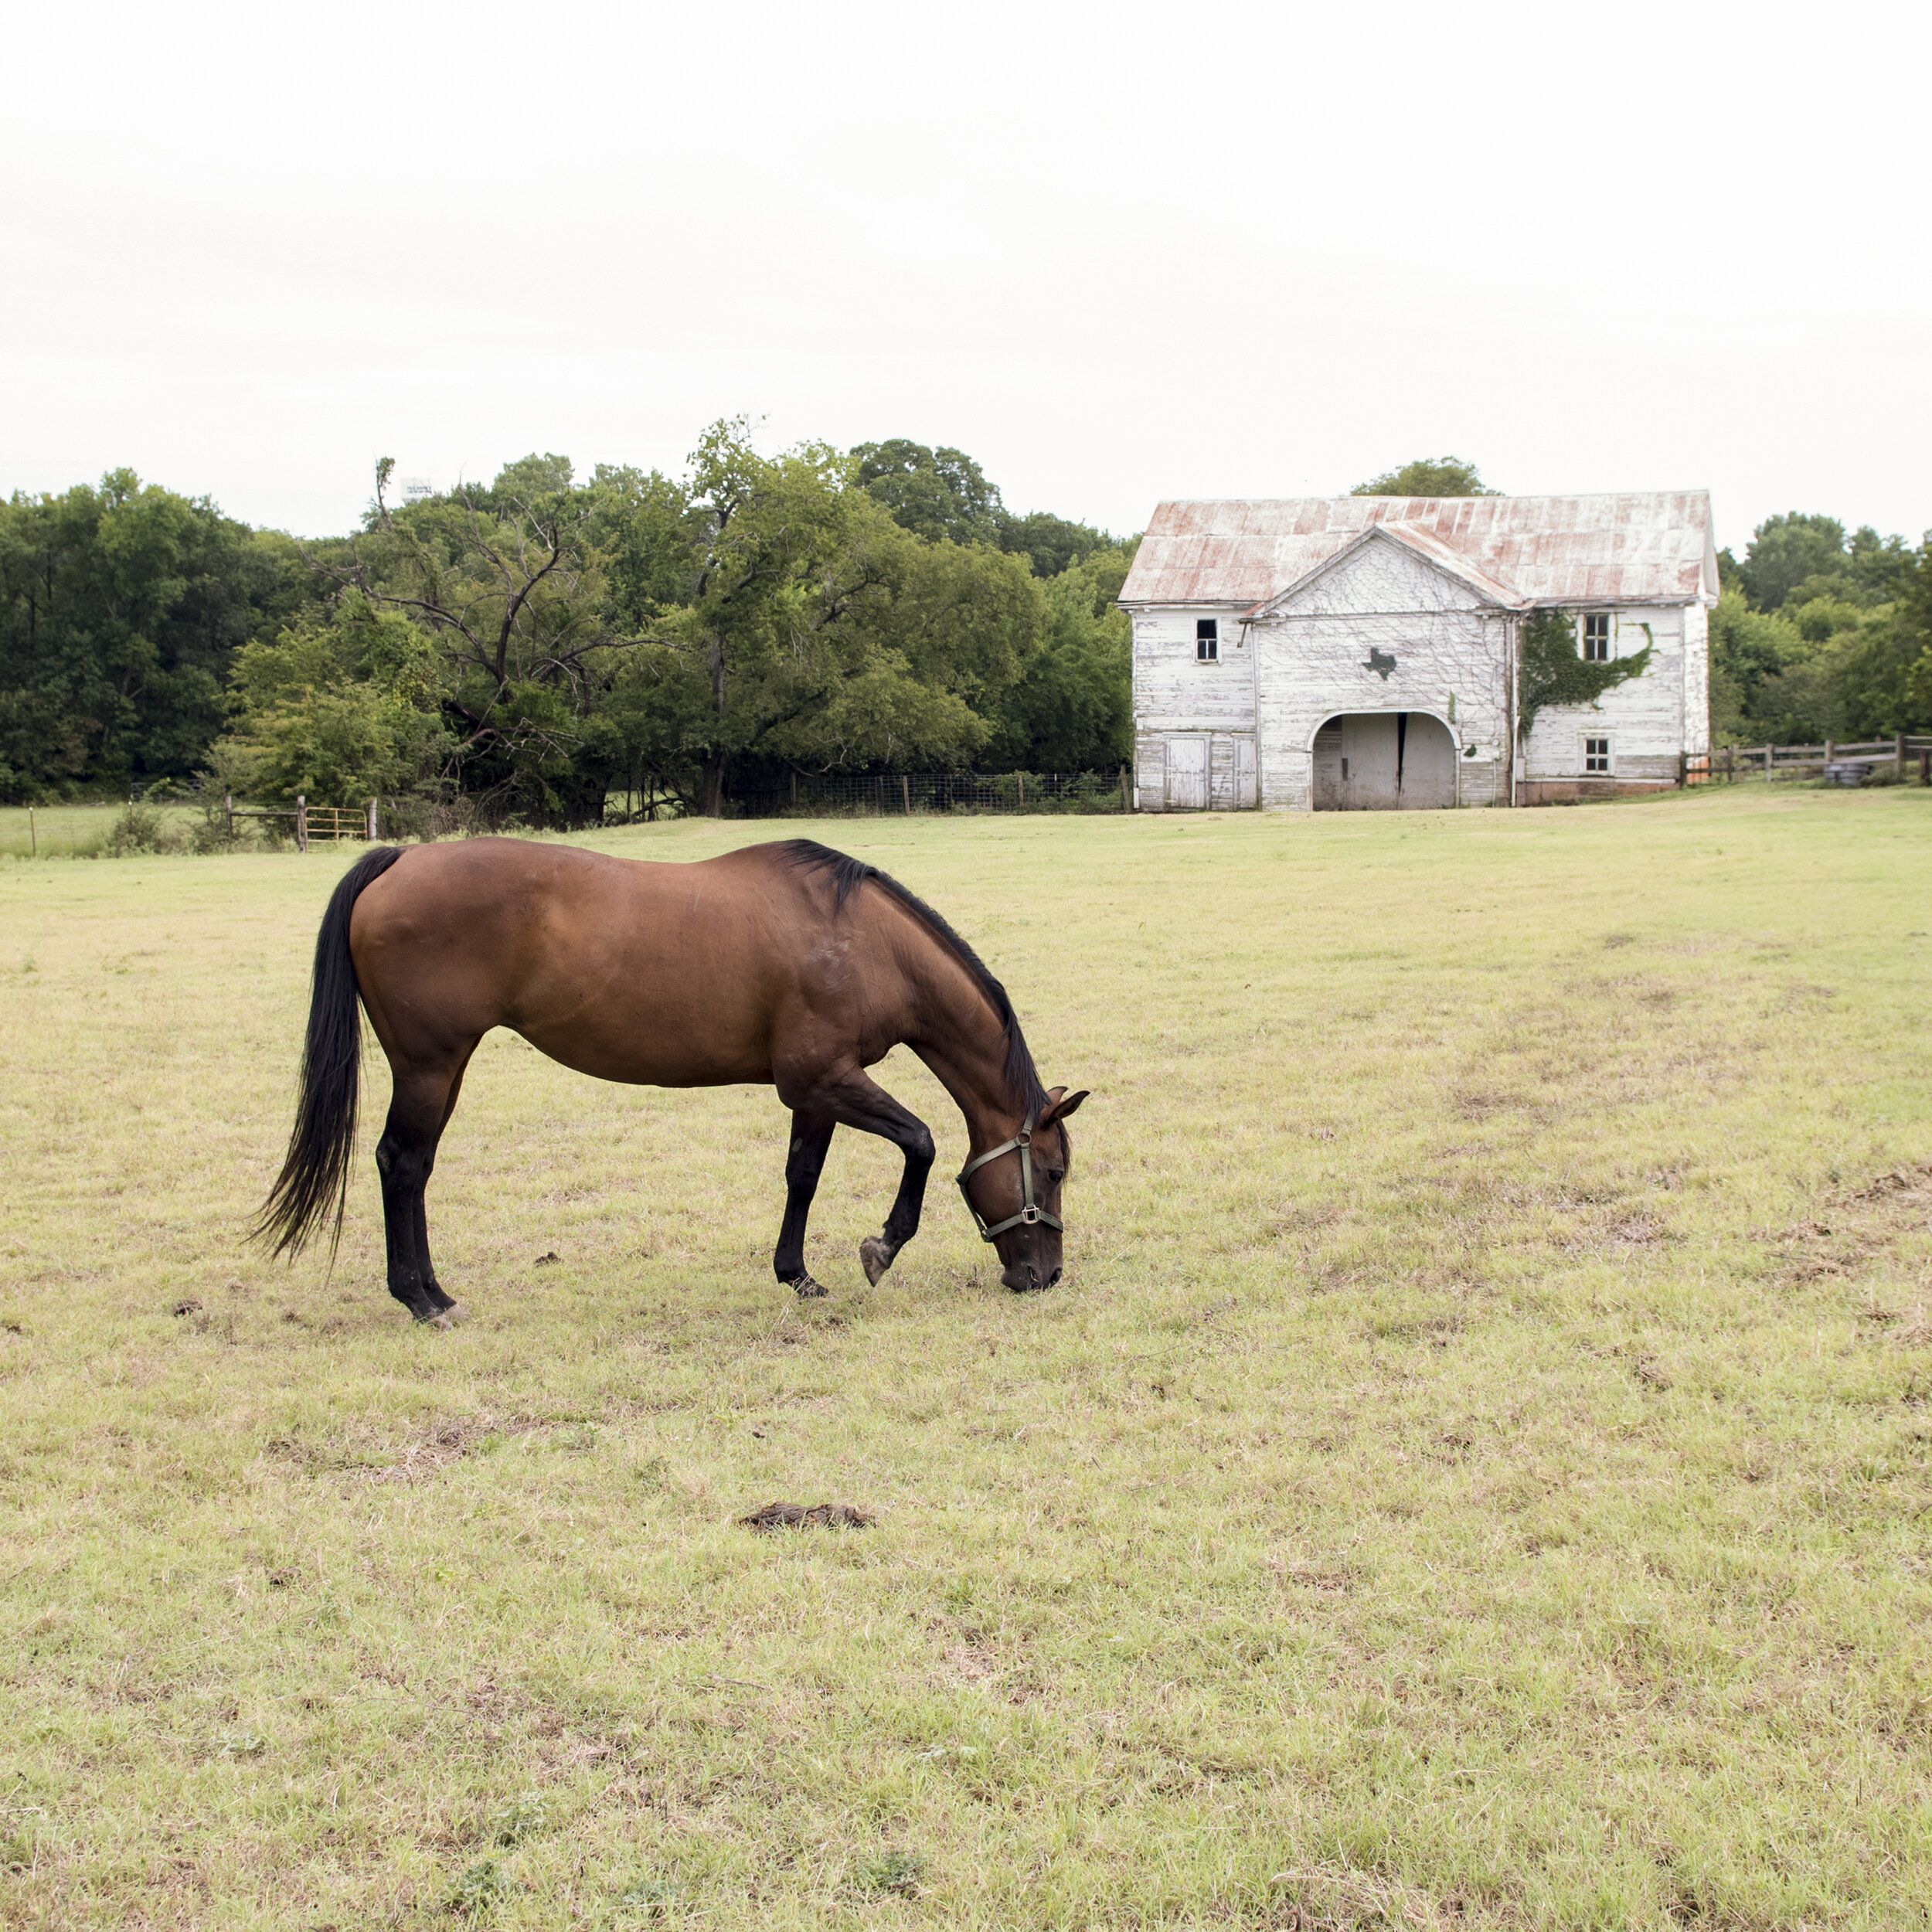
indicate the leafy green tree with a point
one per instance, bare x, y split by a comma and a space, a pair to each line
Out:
816, 630
1826, 663
1072, 709
1786, 550
1051, 543
768, 578
960, 618
1427, 476
507, 584
121, 607
1915, 622
1751, 652
1865, 661
650, 535
1552, 670
1867, 673
1869, 572
343, 706
941, 494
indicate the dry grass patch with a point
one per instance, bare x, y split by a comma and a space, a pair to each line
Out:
1479, 1471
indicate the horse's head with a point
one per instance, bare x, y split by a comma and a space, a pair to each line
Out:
1013, 1192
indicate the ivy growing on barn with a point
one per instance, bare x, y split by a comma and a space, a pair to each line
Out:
1552, 670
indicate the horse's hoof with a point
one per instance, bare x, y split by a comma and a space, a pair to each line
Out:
875, 1257
806, 1289
450, 1316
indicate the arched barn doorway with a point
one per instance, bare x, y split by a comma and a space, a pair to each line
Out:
1384, 761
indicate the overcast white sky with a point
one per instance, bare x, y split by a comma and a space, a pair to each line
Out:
1116, 253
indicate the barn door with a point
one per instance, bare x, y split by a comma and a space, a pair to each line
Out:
1221, 773
1187, 774
1244, 792
1370, 762
1428, 765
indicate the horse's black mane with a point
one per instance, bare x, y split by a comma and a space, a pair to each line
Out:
847, 873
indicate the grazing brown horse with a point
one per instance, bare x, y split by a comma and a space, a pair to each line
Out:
787, 965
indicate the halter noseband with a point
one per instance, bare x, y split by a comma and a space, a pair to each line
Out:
1030, 1210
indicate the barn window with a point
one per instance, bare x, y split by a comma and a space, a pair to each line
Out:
1207, 640
1597, 754
1596, 636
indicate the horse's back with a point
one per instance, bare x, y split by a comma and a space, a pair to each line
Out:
674, 974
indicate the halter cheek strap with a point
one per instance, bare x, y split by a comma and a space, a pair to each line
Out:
1030, 1210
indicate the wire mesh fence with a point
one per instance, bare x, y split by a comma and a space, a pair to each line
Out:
842, 794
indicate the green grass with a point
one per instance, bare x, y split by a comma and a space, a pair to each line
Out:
82, 831
1476, 1472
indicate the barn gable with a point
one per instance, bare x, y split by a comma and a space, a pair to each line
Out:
1387, 570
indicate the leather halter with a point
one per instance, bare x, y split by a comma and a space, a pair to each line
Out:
1030, 1210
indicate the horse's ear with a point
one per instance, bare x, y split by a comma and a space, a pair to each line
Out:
1059, 1103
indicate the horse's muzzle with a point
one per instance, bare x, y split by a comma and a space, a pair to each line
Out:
1024, 1277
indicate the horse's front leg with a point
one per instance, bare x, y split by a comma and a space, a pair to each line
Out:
805, 1162
876, 1251
852, 1099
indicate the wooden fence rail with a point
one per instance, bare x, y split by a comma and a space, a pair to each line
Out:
313, 821
1730, 763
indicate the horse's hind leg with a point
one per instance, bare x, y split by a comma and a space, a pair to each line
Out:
805, 1162
419, 1108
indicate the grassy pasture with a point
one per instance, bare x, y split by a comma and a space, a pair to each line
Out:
80, 831
1476, 1474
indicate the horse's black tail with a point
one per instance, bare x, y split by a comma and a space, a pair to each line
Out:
315, 1175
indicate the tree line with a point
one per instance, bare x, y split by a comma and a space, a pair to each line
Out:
529, 649
1820, 635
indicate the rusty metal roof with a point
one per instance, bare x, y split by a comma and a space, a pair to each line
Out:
1635, 547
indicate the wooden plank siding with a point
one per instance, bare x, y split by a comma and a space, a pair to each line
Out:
1645, 720
1325, 654
1176, 696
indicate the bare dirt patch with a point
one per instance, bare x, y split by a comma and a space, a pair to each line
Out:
792, 1515
1859, 1224
419, 1455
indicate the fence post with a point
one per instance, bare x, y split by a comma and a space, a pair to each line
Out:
301, 823
1925, 767
373, 834
1898, 764
1021, 777
1767, 764
906, 792
1828, 756
1127, 791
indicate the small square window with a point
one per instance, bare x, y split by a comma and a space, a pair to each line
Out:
1596, 635
1207, 640
1597, 754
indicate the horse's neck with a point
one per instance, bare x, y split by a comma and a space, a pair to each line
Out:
964, 1045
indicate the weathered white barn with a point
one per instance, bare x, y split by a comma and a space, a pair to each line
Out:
1360, 653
